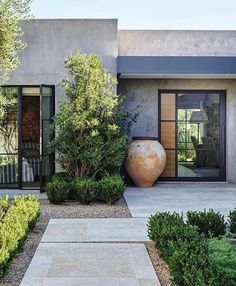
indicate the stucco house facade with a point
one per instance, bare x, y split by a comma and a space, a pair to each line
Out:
184, 81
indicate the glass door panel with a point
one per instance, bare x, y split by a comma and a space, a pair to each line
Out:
46, 114
8, 137
30, 137
192, 131
198, 135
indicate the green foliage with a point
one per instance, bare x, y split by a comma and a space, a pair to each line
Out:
92, 126
185, 251
110, 189
11, 11
63, 176
223, 255
19, 219
208, 222
232, 221
86, 190
57, 189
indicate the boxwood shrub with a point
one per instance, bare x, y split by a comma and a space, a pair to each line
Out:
58, 188
86, 190
232, 222
14, 227
110, 189
185, 250
208, 222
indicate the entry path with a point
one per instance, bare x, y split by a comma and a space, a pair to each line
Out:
96, 230
181, 197
92, 252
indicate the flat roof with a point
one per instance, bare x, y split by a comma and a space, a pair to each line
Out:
176, 67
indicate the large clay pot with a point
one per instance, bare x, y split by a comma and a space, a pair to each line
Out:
146, 159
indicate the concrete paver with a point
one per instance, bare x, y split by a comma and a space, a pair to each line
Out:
95, 264
96, 230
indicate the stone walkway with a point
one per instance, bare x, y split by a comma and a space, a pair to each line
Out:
96, 230
181, 197
86, 252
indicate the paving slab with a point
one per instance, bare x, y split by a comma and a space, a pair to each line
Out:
95, 264
96, 230
181, 197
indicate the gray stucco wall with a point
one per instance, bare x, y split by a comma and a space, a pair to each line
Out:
145, 93
176, 43
51, 41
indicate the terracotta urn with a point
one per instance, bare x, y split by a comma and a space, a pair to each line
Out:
145, 161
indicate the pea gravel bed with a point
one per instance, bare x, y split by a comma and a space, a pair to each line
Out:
69, 210
159, 264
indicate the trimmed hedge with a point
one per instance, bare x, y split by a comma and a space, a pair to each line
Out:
85, 190
57, 190
232, 221
208, 222
110, 189
185, 251
20, 218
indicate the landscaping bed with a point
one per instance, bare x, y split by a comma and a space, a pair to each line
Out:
21, 262
197, 252
17, 219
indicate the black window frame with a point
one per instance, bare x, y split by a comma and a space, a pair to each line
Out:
19, 122
222, 149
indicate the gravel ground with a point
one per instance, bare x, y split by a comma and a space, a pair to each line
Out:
73, 210
159, 265
70, 210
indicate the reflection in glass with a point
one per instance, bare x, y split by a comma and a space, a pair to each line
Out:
8, 120
8, 170
8, 136
198, 134
30, 137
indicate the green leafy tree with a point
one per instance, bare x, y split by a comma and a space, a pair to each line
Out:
92, 126
11, 13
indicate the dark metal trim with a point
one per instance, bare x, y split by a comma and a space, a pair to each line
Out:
51, 156
219, 65
19, 178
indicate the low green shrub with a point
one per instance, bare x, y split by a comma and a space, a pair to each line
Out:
163, 228
57, 190
19, 219
223, 255
60, 176
86, 190
232, 221
185, 250
110, 189
208, 222
70, 184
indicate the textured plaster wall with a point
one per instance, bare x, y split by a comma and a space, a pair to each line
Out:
51, 41
176, 43
145, 93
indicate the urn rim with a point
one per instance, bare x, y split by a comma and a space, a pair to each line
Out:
145, 138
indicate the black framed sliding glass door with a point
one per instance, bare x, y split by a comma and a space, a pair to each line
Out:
196, 135
25, 115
